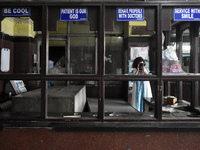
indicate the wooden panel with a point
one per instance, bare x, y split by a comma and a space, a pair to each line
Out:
47, 139
23, 56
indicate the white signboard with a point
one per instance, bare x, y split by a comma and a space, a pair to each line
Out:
5, 60
139, 52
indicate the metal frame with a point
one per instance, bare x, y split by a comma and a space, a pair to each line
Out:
101, 77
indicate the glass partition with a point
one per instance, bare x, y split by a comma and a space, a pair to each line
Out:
180, 39
73, 44
130, 99
20, 38
73, 99
180, 57
127, 40
20, 99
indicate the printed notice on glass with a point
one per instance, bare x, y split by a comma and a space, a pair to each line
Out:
73, 14
130, 14
186, 14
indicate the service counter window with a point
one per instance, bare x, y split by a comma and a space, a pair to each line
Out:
73, 40
130, 33
180, 39
75, 99
20, 36
20, 62
20, 99
130, 50
72, 50
180, 62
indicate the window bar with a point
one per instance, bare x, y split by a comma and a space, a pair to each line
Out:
44, 62
101, 64
179, 40
158, 100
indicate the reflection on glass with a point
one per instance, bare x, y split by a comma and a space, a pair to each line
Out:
72, 99
83, 55
73, 49
114, 55
127, 41
20, 99
171, 63
122, 101
179, 49
18, 36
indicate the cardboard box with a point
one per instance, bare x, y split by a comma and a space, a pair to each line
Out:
170, 100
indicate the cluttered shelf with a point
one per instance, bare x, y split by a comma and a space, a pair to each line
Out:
173, 108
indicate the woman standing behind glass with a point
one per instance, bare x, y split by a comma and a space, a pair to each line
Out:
141, 89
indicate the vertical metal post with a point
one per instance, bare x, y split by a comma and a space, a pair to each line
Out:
44, 62
101, 52
158, 96
167, 85
167, 88
167, 39
38, 55
96, 55
179, 40
194, 60
67, 50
